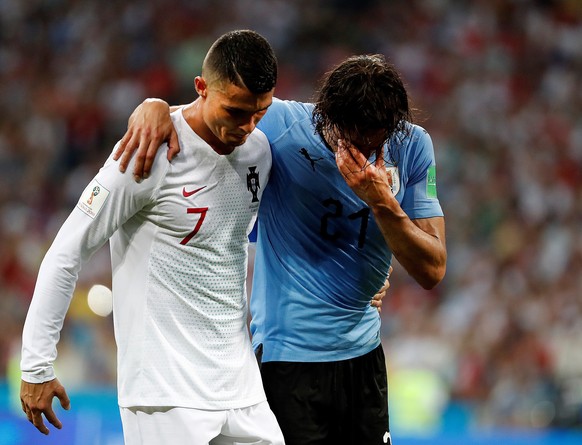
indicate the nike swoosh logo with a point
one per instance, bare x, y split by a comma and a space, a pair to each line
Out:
188, 194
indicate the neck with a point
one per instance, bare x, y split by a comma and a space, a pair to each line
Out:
324, 135
193, 115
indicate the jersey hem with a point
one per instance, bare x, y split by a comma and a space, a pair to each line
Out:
315, 356
202, 404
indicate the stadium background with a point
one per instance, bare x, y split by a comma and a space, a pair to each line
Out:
494, 353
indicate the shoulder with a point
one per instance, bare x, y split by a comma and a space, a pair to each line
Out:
290, 108
256, 149
125, 181
283, 114
416, 134
258, 140
412, 141
253, 157
411, 149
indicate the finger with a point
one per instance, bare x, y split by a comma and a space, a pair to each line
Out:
26, 411
122, 144
140, 155
339, 158
52, 418
355, 153
149, 158
343, 159
379, 296
64, 398
386, 285
376, 304
174, 148
130, 148
38, 422
340, 148
343, 149
355, 159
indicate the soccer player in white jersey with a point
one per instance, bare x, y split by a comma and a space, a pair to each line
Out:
186, 369
353, 184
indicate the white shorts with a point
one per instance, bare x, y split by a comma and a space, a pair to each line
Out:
146, 425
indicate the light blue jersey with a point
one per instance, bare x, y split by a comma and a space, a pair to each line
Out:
320, 255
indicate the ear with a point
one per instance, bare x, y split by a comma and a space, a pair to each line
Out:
200, 86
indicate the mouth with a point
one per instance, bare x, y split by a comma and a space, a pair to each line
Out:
235, 140
240, 137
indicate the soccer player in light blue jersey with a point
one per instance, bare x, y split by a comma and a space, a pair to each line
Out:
352, 186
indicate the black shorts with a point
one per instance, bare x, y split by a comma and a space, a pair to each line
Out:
343, 402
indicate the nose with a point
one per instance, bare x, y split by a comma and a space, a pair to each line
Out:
249, 125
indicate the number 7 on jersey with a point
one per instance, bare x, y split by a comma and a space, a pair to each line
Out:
202, 211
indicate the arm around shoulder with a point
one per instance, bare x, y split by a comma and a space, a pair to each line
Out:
148, 127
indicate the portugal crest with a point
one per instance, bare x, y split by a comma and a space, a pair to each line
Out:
253, 183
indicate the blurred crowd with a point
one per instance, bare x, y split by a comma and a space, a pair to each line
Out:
497, 84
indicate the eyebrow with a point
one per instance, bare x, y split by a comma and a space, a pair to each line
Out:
229, 108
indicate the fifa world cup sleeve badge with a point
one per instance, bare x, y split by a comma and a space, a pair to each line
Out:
93, 198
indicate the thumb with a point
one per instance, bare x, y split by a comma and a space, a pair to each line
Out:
63, 398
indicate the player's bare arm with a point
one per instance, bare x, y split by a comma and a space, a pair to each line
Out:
36, 400
419, 245
148, 127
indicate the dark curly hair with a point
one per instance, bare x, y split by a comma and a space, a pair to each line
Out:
244, 58
363, 95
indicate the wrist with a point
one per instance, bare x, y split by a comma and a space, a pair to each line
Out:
40, 375
387, 209
156, 100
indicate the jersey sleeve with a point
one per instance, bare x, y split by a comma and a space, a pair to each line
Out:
109, 200
420, 197
273, 122
281, 116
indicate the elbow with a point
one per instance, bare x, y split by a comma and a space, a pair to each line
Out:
433, 277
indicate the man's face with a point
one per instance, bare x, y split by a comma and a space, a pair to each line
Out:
231, 112
368, 143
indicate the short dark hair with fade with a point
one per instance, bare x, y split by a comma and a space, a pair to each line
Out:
245, 59
362, 95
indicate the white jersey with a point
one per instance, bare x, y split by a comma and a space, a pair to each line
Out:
179, 258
